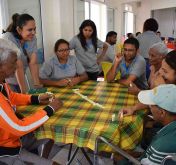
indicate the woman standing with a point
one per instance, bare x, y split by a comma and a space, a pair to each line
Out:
22, 33
85, 45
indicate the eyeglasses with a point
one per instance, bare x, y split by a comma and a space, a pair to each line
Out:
128, 50
63, 50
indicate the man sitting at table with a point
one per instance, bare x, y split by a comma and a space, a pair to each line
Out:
131, 65
163, 107
12, 127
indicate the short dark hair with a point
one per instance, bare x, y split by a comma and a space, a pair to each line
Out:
150, 24
129, 35
110, 34
137, 33
58, 42
171, 59
132, 41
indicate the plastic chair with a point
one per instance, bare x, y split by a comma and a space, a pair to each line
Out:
105, 67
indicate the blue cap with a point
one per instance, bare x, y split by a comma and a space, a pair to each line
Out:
163, 96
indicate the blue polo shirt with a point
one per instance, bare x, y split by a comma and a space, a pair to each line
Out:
29, 46
137, 68
54, 70
88, 58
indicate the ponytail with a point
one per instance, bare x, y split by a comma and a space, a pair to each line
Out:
18, 21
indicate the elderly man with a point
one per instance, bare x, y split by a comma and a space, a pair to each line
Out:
131, 66
163, 107
12, 128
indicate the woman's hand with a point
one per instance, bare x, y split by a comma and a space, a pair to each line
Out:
63, 82
74, 81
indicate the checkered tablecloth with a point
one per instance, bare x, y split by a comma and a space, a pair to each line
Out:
80, 122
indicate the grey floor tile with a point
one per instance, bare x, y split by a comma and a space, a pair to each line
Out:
80, 159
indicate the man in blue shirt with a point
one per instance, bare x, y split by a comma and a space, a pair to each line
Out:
131, 65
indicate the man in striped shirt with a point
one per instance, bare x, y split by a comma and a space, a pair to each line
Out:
162, 102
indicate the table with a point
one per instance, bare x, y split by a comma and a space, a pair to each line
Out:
81, 122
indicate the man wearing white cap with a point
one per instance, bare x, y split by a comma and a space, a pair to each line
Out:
162, 102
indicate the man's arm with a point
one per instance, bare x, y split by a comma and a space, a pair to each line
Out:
131, 78
112, 72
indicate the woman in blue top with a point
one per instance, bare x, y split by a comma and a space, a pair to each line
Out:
62, 69
85, 45
22, 33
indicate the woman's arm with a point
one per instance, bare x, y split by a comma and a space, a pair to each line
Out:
103, 52
54, 83
20, 75
34, 69
78, 79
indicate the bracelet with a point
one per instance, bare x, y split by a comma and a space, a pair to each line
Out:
69, 80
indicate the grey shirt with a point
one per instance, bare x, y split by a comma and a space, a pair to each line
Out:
146, 40
137, 68
88, 57
54, 70
110, 53
29, 46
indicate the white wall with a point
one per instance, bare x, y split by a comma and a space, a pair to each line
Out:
57, 22
144, 11
31, 7
51, 25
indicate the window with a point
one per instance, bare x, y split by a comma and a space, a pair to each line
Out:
94, 10
4, 17
97, 12
128, 19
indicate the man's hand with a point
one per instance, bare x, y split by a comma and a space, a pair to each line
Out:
45, 98
118, 58
159, 80
133, 89
127, 111
56, 104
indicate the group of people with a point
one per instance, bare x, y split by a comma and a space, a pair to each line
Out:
144, 63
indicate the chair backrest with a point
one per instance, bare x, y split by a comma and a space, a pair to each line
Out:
105, 67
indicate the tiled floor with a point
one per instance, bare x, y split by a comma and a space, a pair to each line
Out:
61, 157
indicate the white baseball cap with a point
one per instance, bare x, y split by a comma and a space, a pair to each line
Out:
163, 96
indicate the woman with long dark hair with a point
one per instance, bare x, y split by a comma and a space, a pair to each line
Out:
22, 33
85, 45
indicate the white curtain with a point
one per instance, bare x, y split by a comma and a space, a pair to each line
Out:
4, 15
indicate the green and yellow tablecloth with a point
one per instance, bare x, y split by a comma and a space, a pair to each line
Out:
80, 122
